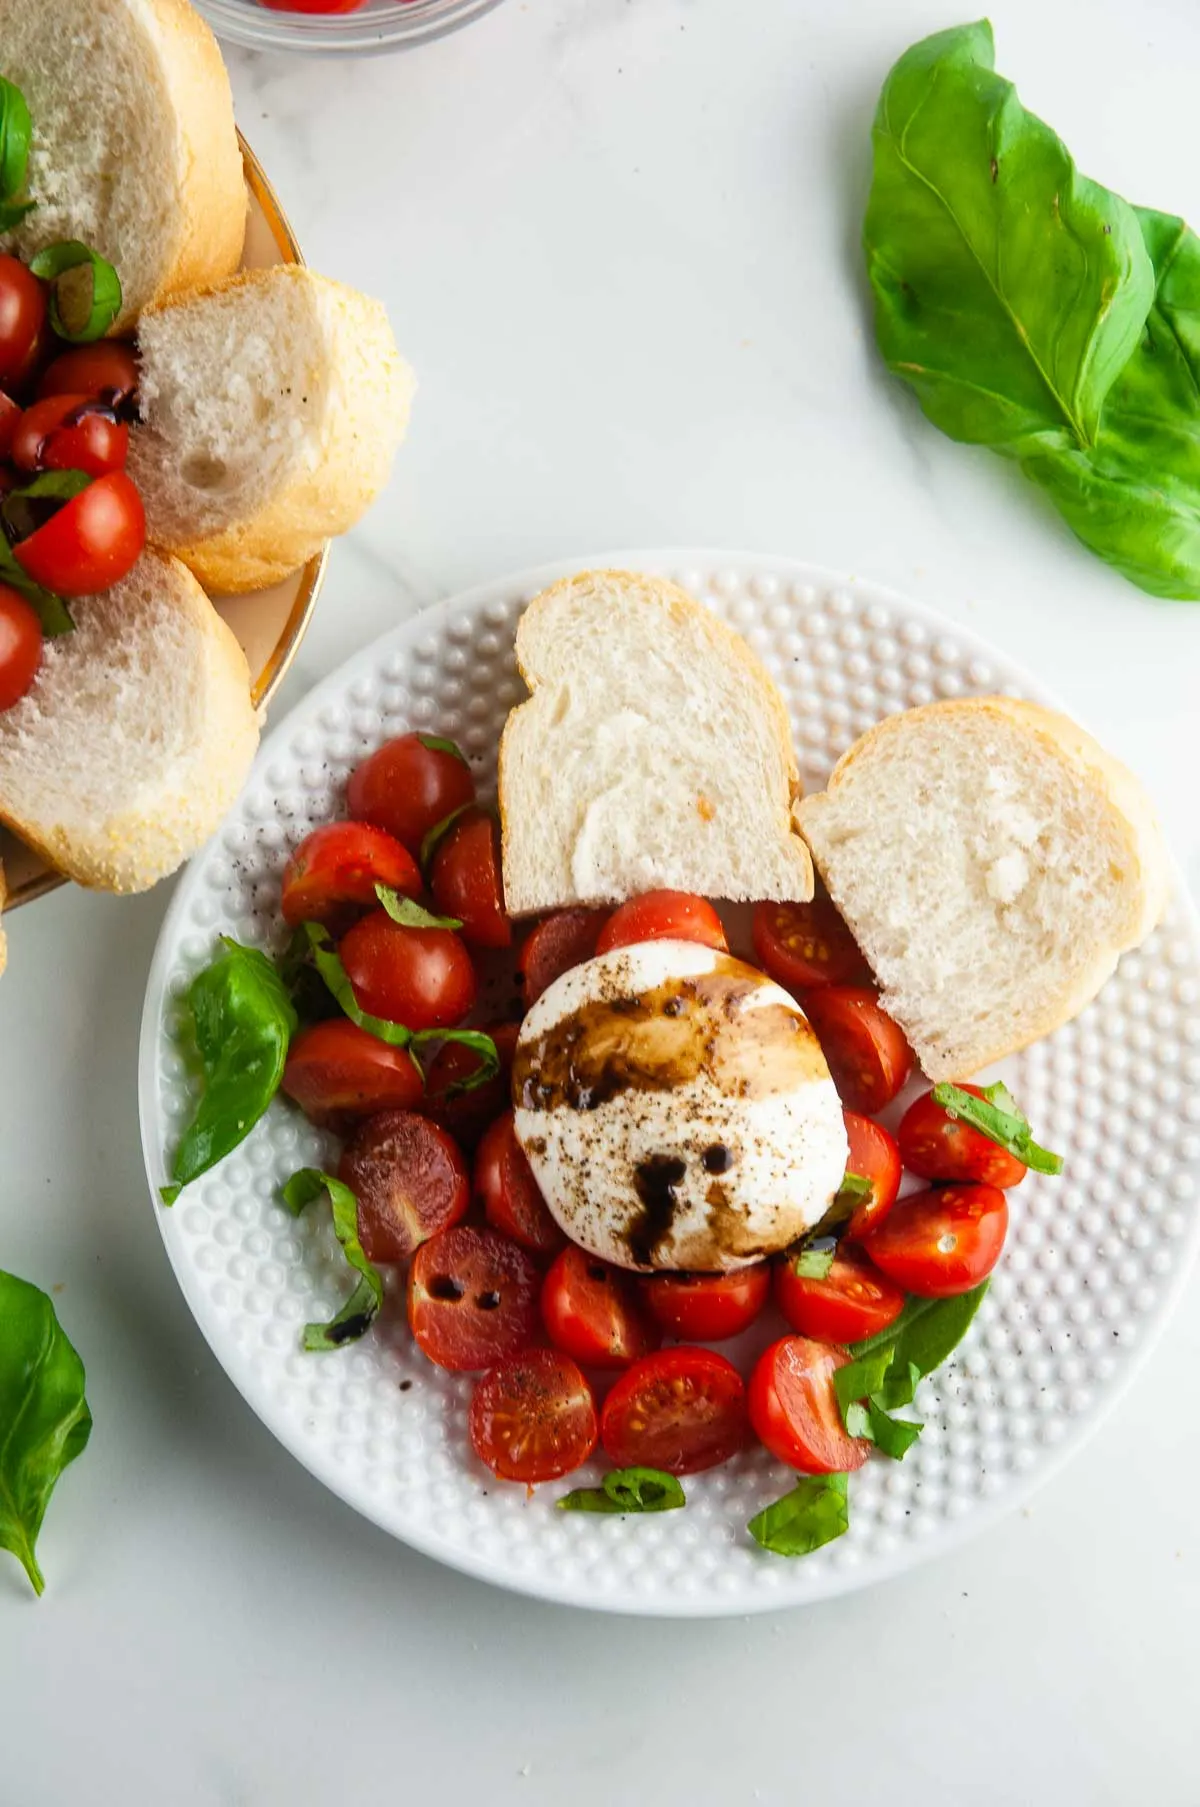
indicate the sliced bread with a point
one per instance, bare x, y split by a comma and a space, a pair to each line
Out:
136, 736
273, 405
654, 751
993, 862
134, 147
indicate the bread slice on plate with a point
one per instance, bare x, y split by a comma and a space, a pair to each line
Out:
273, 405
654, 751
993, 863
134, 148
136, 736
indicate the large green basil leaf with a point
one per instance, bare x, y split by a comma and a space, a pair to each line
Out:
1009, 290
44, 1418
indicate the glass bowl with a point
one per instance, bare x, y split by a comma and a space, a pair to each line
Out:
376, 26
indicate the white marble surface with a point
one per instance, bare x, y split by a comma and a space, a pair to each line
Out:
618, 241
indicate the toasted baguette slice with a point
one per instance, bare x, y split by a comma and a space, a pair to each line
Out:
273, 404
654, 751
993, 862
134, 147
136, 736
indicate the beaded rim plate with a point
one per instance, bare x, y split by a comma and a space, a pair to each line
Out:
1069, 1316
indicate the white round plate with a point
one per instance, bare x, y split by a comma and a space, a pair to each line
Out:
1094, 1261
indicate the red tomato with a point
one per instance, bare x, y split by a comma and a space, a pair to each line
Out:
107, 371
341, 864
593, 1312
853, 1300
936, 1146
562, 941
472, 1298
422, 978
10, 420
663, 916
805, 944
91, 543
338, 1073
512, 1199
23, 322
867, 1054
874, 1156
795, 1411
681, 1410
408, 786
70, 433
533, 1418
465, 879
20, 646
410, 1182
707, 1308
943, 1241
313, 6
468, 1114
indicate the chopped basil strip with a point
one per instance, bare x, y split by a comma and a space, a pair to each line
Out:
362, 1307
438, 833
44, 1416
892, 1437
813, 1264
409, 914
480, 1041
815, 1512
858, 1379
83, 307
328, 964
919, 1341
627, 1490
438, 743
52, 612
853, 1191
16, 131
998, 1117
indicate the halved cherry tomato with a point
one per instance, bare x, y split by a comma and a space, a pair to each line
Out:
70, 433
936, 1146
663, 916
867, 1054
682, 1410
20, 646
465, 879
410, 1182
107, 371
533, 1418
409, 785
24, 325
593, 1312
338, 1074
707, 1308
472, 1298
874, 1156
468, 1114
422, 978
795, 1411
804, 944
10, 420
854, 1299
91, 543
341, 864
562, 941
512, 1199
943, 1241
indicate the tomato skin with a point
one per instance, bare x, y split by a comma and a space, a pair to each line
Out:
941, 1242
91, 543
801, 945
533, 1418
593, 1312
865, 1050
663, 916
24, 322
472, 1298
312, 6
794, 1409
106, 371
562, 941
410, 1181
512, 1199
422, 978
20, 646
874, 1156
682, 1410
935, 1146
10, 420
49, 437
465, 879
338, 1074
853, 1301
340, 864
407, 788
467, 1115
707, 1308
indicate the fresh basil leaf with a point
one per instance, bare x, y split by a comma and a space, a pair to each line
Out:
815, 1512
437, 834
16, 133
438, 743
854, 1189
813, 1264
362, 1307
44, 1418
857, 1420
1009, 290
52, 612
81, 308
899, 1386
410, 914
919, 1341
627, 1490
997, 1117
479, 1040
892, 1437
856, 1379
328, 964
243, 1020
